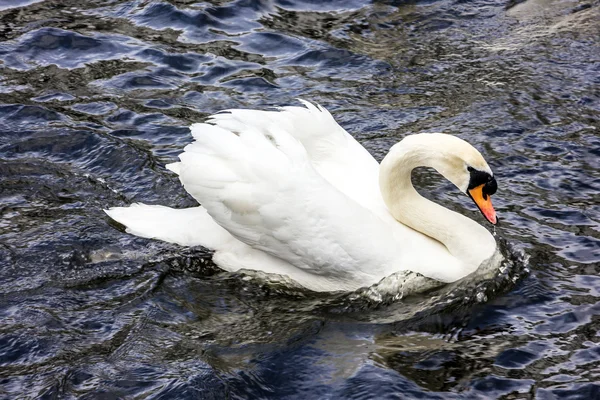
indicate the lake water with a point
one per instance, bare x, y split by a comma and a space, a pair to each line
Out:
96, 96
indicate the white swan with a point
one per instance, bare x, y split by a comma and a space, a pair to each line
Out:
291, 192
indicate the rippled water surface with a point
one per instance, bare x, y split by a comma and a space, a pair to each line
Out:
96, 96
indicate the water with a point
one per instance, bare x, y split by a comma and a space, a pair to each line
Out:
95, 99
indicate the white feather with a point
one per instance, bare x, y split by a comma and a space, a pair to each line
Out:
288, 192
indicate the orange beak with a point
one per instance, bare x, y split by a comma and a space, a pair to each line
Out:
484, 203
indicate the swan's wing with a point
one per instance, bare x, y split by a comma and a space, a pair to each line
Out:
260, 185
334, 153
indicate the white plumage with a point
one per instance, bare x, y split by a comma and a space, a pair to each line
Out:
291, 192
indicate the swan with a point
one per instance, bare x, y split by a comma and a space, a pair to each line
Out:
290, 192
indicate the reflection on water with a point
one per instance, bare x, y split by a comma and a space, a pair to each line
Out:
96, 97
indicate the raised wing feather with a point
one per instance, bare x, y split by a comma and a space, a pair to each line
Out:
333, 152
258, 182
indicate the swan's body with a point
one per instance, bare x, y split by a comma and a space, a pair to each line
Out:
291, 192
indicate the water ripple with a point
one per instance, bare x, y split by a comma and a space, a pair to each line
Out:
96, 97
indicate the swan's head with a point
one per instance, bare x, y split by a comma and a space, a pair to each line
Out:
463, 165
454, 158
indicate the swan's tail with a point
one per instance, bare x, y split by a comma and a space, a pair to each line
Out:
186, 226
194, 227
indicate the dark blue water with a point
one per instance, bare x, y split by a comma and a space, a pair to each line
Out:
96, 96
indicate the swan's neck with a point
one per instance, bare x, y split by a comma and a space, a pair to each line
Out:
465, 239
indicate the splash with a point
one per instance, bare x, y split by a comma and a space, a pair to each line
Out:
412, 291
